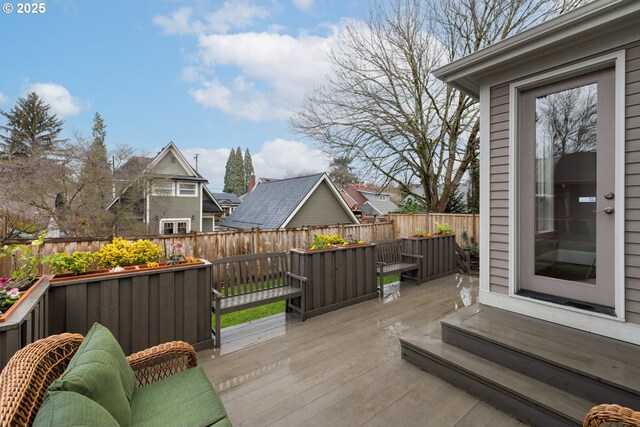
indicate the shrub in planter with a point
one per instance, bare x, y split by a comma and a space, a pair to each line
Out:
326, 241
77, 263
444, 228
121, 252
24, 275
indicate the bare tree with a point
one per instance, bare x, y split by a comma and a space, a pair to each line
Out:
381, 105
61, 185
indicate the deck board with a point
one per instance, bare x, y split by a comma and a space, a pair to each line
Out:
344, 368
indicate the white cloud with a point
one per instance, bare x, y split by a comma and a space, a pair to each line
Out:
281, 156
305, 5
3, 98
58, 97
250, 75
231, 15
275, 71
275, 159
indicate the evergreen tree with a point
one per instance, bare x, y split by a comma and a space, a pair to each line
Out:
340, 172
99, 130
248, 170
456, 203
228, 172
30, 128
237, 178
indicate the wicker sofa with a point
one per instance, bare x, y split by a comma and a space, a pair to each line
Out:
69, 379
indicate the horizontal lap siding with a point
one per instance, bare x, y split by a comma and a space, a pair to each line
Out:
632, 190
499, 184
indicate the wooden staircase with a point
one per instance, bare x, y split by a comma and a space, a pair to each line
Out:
542, 373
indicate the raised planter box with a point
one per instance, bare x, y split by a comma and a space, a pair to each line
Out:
339, 276
26, 321
438, 256
142, 308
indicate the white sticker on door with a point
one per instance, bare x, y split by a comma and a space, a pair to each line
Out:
586, 199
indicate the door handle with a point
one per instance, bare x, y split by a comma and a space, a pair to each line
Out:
608, 210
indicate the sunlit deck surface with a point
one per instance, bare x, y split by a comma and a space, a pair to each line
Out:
344, 368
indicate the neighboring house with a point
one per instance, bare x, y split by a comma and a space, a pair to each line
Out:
368, 203
228, 202
463, 188
560, 130
173, 197
293, 202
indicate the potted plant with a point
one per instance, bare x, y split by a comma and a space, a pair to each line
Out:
24, 278
437, 250
119, 256
341, 270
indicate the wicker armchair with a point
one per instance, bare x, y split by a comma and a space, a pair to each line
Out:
601, 414
25, 379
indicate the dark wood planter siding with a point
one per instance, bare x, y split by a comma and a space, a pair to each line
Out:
339, 277
141, 309
438, 256
28, 323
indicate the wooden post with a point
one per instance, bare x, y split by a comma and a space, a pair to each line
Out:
256, 241
196, 249
475, 229
3, 227
394, 229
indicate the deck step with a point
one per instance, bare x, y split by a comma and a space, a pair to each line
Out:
597, 368
529, 400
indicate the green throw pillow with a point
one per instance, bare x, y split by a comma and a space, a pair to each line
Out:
99, 371
66, 408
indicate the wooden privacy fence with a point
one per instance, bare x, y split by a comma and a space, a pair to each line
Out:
218, 244
406, 225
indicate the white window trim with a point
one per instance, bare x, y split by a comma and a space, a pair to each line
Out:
195, 190
617, 59
174, 220
154, 193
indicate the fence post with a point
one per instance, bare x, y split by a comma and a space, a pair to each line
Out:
256, 241
196, 249
394, 228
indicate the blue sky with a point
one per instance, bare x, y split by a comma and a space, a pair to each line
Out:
208, 75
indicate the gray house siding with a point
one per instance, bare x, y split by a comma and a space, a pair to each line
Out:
175, 207
169, 165
322, 208
499, 198
207, 224
499, 186
632, 184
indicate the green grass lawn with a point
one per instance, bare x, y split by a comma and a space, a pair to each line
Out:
243, 316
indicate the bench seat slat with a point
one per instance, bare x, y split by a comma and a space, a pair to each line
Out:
397, 268
254, 299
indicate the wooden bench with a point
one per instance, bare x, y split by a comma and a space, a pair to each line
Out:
247, 281
391, 260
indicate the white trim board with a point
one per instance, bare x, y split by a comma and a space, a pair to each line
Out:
485, 187
618, 60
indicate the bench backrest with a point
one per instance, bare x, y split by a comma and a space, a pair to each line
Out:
389, 251
245, 274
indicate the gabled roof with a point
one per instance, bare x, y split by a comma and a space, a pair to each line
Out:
227, 197
583, 26
383, 206
354, 195
273, 204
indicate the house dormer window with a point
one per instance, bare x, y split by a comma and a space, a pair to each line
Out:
186, 189
163, 189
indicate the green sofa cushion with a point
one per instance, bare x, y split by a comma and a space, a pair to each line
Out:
99, 371
184, 399
66, 408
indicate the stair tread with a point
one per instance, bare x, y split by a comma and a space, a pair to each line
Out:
541, 394
602, 358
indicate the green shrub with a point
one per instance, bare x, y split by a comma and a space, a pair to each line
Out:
121, 253
77, 263
444, 228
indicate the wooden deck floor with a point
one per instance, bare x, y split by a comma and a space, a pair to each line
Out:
344, 368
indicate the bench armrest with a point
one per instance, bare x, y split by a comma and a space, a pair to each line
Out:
412, 256
162, 361
216, 294
295, 276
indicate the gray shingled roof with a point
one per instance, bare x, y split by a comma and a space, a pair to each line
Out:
230, 197
271, 203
